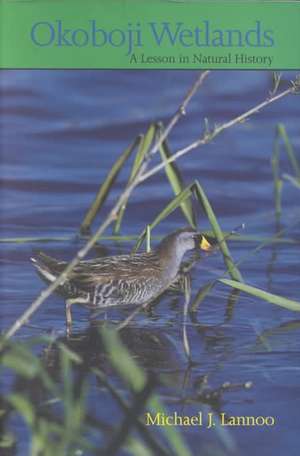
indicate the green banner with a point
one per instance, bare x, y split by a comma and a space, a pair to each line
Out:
136, 34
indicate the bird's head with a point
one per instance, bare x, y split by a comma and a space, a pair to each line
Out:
184, 240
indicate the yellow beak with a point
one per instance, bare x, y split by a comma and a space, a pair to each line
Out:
204, 244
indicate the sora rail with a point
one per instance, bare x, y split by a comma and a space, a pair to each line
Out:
122, 279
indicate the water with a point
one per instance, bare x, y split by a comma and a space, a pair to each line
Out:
61, 132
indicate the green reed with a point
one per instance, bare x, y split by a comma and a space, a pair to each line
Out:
283, 142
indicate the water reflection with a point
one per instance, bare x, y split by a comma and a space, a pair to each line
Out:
152, 349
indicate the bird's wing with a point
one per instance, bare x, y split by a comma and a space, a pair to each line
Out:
89, 274
96, 272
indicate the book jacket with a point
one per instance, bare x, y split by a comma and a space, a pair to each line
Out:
150, 228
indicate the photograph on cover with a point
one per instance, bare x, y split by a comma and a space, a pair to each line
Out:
150, 262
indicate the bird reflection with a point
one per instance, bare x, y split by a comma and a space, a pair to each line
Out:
151, 348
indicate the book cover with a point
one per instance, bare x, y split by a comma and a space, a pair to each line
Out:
150, 175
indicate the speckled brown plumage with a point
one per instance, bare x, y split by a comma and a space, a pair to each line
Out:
121, 279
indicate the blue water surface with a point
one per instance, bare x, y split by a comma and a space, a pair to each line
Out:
61, 132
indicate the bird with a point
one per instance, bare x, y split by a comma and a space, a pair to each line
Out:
126, 279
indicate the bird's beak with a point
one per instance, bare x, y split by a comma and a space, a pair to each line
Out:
204, 244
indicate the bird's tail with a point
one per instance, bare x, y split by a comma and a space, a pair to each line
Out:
49, 268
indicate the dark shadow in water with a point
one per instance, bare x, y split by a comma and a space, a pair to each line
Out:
151, 349
232, 300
